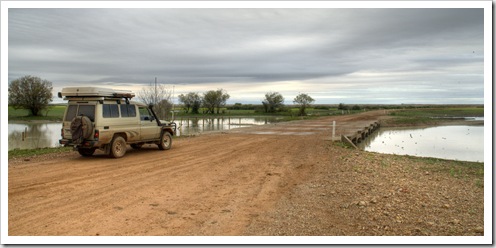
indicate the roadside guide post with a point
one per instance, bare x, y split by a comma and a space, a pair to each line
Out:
333, 129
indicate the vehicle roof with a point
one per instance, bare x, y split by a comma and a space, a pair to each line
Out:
97, 99
89, 91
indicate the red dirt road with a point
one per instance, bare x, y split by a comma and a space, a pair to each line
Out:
234, 183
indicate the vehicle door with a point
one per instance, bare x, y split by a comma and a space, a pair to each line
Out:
130, 121
149, 127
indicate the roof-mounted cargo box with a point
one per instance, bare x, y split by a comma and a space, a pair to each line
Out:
70, 92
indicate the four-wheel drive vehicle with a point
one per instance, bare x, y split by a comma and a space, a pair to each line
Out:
106, 119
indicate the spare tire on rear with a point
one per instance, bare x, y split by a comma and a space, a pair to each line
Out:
81, 128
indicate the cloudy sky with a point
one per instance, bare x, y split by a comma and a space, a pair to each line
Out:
336, 55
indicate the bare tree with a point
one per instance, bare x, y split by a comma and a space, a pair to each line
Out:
30, 93
158, 95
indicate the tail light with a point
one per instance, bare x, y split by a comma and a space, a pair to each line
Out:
96, 135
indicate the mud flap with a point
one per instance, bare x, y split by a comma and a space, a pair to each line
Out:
106, 149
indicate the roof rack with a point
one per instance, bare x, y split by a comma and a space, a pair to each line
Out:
71, 92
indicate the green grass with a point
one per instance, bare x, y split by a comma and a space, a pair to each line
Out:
441, 112
454, 168
52, 113
460, 170
222, 112
20, 153
292, 112
431, 116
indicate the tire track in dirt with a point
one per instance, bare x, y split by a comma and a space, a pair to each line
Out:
214, 184
94, 188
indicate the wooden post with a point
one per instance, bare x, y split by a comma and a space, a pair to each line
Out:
347, 140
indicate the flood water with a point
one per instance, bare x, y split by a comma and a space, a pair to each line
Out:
40, 135
464, 142
187, 126
34, 135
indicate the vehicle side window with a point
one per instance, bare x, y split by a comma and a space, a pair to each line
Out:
145, 114
71, 112
87, 110
110, 111
128, 110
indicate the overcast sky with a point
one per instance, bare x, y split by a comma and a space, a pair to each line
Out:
335, 55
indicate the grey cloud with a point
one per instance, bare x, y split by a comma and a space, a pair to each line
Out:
190, 46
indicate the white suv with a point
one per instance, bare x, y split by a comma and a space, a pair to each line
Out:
106, 119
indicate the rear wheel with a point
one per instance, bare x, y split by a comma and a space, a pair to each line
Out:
86, 152
165, 141
117, 147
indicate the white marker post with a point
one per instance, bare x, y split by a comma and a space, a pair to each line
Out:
333, 129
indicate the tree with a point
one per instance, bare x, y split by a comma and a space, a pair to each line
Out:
304, 101
30, 93
214, 99
191, 101
342, 106
159, 96
273, 101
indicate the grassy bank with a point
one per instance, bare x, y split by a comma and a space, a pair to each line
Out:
56, 113
463, 170
52, 113
289, 112
431, 116
22, 153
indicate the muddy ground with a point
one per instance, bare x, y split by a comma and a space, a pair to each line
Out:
274, 180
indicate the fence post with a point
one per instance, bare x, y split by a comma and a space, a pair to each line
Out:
333, 129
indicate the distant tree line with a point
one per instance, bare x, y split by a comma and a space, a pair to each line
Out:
212, 101
34, 94
342, 106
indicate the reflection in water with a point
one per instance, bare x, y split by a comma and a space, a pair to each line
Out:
39, 135
34, 135
187, 126
464, 143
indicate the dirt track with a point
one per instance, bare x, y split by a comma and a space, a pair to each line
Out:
255, 181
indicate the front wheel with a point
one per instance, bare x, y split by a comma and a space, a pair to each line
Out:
165, 141
117, 147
